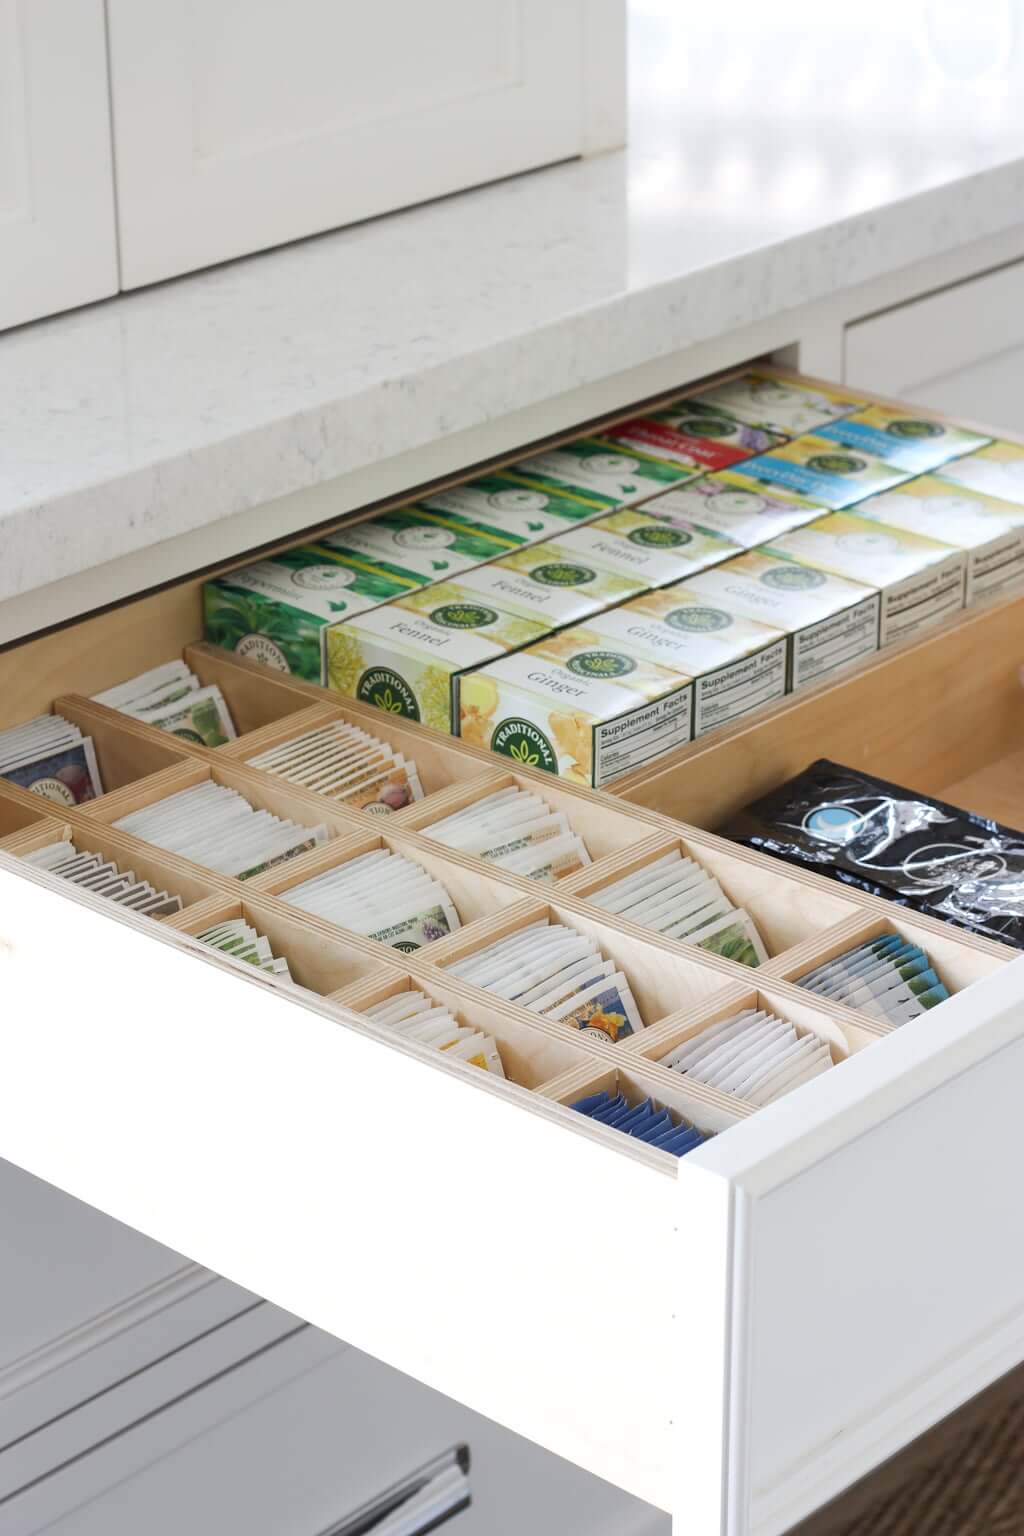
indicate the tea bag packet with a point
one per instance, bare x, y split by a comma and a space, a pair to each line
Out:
215, 826
552, 970
382, 895
913, 443
745, 514
995, 470
50, 757
245, 945
674, 896
777, 402
694, 435
103, 878
662, 1128
515, 830
751, 1054
412, 1013
173, 699
346, 763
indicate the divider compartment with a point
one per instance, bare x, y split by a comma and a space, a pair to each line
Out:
164, 871
709, 1111
16, 816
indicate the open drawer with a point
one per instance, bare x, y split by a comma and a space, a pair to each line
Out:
734, 1336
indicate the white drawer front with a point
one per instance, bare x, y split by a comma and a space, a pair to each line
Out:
536, 1270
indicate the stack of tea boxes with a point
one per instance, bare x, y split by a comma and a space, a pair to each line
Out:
596, 605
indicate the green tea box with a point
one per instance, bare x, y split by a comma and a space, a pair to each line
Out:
777, 403
407, 657
908, 441
831, 622
653, 552
415, 546
990, 532
736, 509
278, 611
736, 663
577, 704
921, 581
823, 472
614, 474
996, 470
500, 506
551, 583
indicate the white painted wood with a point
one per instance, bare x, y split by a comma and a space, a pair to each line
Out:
991, 390
240, 125
877, 1261
941, 336
254, 1129
57, 235
298, 1455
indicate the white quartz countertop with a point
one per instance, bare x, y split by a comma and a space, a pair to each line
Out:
768, 167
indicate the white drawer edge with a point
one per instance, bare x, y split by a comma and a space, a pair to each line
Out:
243, 1156
876, 1212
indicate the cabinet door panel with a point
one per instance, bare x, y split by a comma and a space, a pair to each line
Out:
57, 234
241, 124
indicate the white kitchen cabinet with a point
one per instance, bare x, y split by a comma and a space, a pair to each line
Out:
58, 243
959, 351
240, 124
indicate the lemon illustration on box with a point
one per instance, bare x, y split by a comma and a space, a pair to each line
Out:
501, 505
277, 611
580, 704
822, 471
735, 663
996, 470
736, 509
989, 531
778, 403
409, 656
921, 580
551, 583
653, 552
831, 622
417, 546
913, 443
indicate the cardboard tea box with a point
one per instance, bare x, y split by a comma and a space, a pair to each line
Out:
577, 704
417, 547
921, 581
407, 657
780, 404
899, 437
278, 611
823, 472
736, 509
996, 470
608, 471
655, 553
550, 582
831, 622
501, 506
694, 435
990, 532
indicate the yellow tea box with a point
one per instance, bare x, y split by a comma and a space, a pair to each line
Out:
921, 581
831, 622
824, 472
990, 532
409, 656
736, 663
902, 438
416, 547
997, 470
551, 583
778, 403
576, 704
736, 509
654, 552
500, 506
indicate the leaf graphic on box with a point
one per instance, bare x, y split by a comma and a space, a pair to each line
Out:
387, 700
439, 565
523, 754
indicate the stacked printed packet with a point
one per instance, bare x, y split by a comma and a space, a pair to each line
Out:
346, 763
886, 978
382, 895
661, 1128
240, 942
415, 1016
217, 827
752, 1054
517, 831
51, 757
102, 877
675, 897
553, 970
173, 699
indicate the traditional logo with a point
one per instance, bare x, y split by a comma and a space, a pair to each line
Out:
424, 538
793, 578
562, 574
323, 578
386, 690
836, 463
464, 616
524, 743
698, 620
601, 664
660, 536
706, 426
907, 427
259, 648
